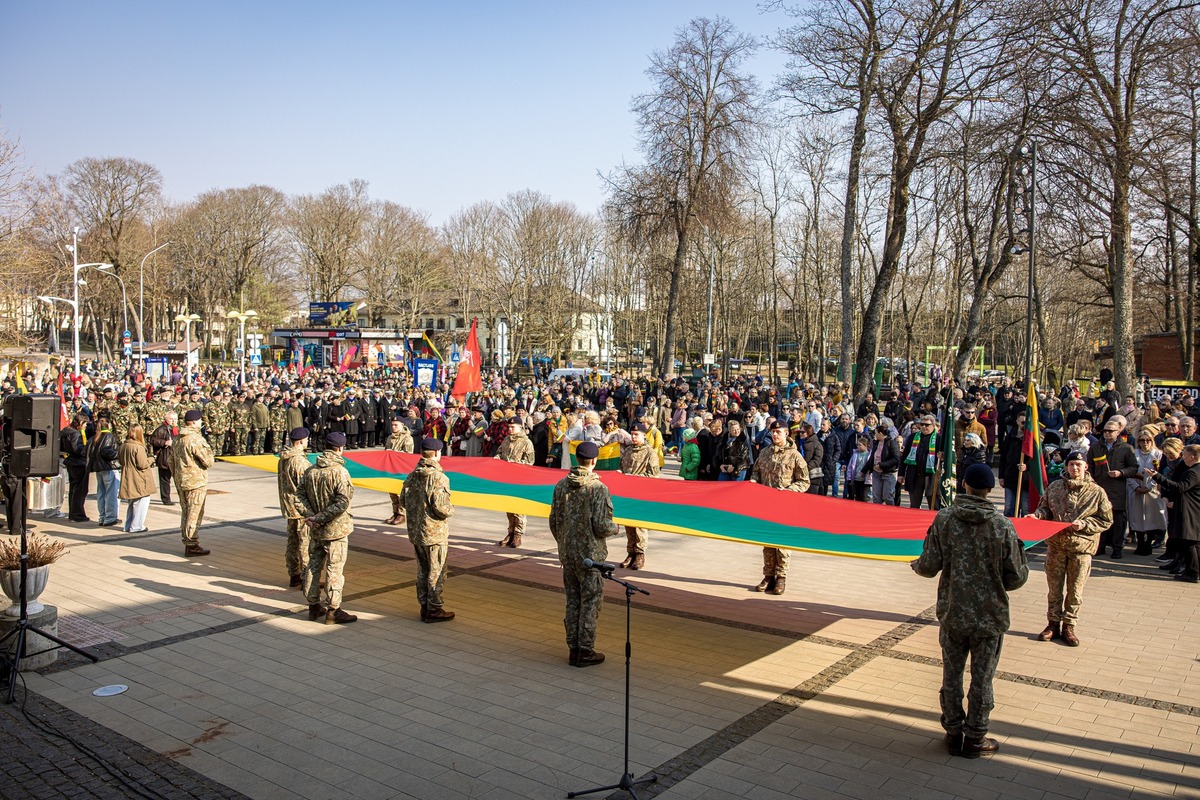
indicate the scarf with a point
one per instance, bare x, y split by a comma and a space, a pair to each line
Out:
930, 455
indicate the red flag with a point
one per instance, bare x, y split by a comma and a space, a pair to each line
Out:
345, 365
63, 416
468, 378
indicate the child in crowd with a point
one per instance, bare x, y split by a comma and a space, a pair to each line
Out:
856, 469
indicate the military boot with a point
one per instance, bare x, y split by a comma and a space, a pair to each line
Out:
983, 746
1053, 631
424, 611
438, 615
573, 657
195, 550
316, 611
587, 658
335, 616
764, 584
1068, 635
504, 542
954, 743
780, 585
637, 561
295, 581
514, 540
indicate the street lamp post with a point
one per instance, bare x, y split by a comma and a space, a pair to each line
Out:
187, 320
142, 301
107, 270
76, 267
241, 317
50, 300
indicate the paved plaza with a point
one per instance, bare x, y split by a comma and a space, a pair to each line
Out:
829, 691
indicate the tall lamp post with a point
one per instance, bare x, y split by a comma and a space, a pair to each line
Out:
74, 248
107, 270
50, 300
142, 301
241, 317
187, 320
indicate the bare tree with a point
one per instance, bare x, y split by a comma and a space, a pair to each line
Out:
110, 196
327, 230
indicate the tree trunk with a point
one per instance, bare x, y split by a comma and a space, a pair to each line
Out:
1122, 279
666, 363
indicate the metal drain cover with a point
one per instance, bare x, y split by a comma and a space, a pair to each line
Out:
109, 691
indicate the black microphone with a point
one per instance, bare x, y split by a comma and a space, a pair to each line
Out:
604, 568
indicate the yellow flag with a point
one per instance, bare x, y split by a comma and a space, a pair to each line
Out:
21, 383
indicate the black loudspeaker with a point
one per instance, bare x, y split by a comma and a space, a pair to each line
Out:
31, 430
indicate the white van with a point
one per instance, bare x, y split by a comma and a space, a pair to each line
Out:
577, 374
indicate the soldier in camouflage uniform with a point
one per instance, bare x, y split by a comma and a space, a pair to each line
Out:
516, 449
779, 466
278, 414
216, 422
426, 499
292, 466
581, 520
105, 403
138, 407
154, 415
638, 458
260, 423
1079, 500
123, 417
400, 440
190, 459
976, 550
240, 421
327, 491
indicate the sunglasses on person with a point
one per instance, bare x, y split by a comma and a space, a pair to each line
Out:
1112, 430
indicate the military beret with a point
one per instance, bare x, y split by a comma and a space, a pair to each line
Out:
640, 428
779, 425
1076, 456
587, 450
979, 476
193, 415
122, 394
335, 439
430, 443
298, 433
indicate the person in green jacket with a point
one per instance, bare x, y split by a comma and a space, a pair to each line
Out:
689, 467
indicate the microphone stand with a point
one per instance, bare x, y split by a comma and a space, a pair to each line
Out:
627, 782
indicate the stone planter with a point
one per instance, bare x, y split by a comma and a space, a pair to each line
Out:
10, 584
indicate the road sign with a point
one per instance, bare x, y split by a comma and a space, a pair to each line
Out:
256, 358
126, 335
709, 358
128, 350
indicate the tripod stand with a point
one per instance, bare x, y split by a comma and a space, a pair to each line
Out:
18, 515
627, 783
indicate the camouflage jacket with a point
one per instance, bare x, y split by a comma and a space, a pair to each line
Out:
216, 417
190, 459
976, 550
123, 418
239, 415
426, 499
401, 442
292, 466
581, 518
1082, 502
781, 468
154, 415
278, 414
639, 459
516, 448
327, 491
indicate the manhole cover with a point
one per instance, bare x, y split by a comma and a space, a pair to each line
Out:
109, 691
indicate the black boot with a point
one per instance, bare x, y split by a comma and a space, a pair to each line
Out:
1143, 544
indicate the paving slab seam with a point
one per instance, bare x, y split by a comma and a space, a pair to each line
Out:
1063, 686
696, 757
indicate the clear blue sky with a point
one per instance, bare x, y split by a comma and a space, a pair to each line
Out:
436, 104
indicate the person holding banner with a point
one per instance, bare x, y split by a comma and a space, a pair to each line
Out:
517, 449
638, 458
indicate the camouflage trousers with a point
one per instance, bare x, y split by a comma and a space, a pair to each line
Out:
397, 506
278, 436
257, 436
431, 573
585, 596
191, 513
216, 441
1066, 573
636, 539
516, 524
295, 555
326, 560
985, 655
775, 562
240, 435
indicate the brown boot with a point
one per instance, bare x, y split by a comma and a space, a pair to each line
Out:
335, 616
438, 615
637, 561
1068, 635
315, 611
505, 541
195, 550
392, 520
296, 580
764, 584
514, 540
587, 658
954, 743
573, 657
983, 746
780, 585
628, 560
1053, 631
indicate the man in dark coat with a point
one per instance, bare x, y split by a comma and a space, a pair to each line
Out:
70, 443
1183, 488
1111, 461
